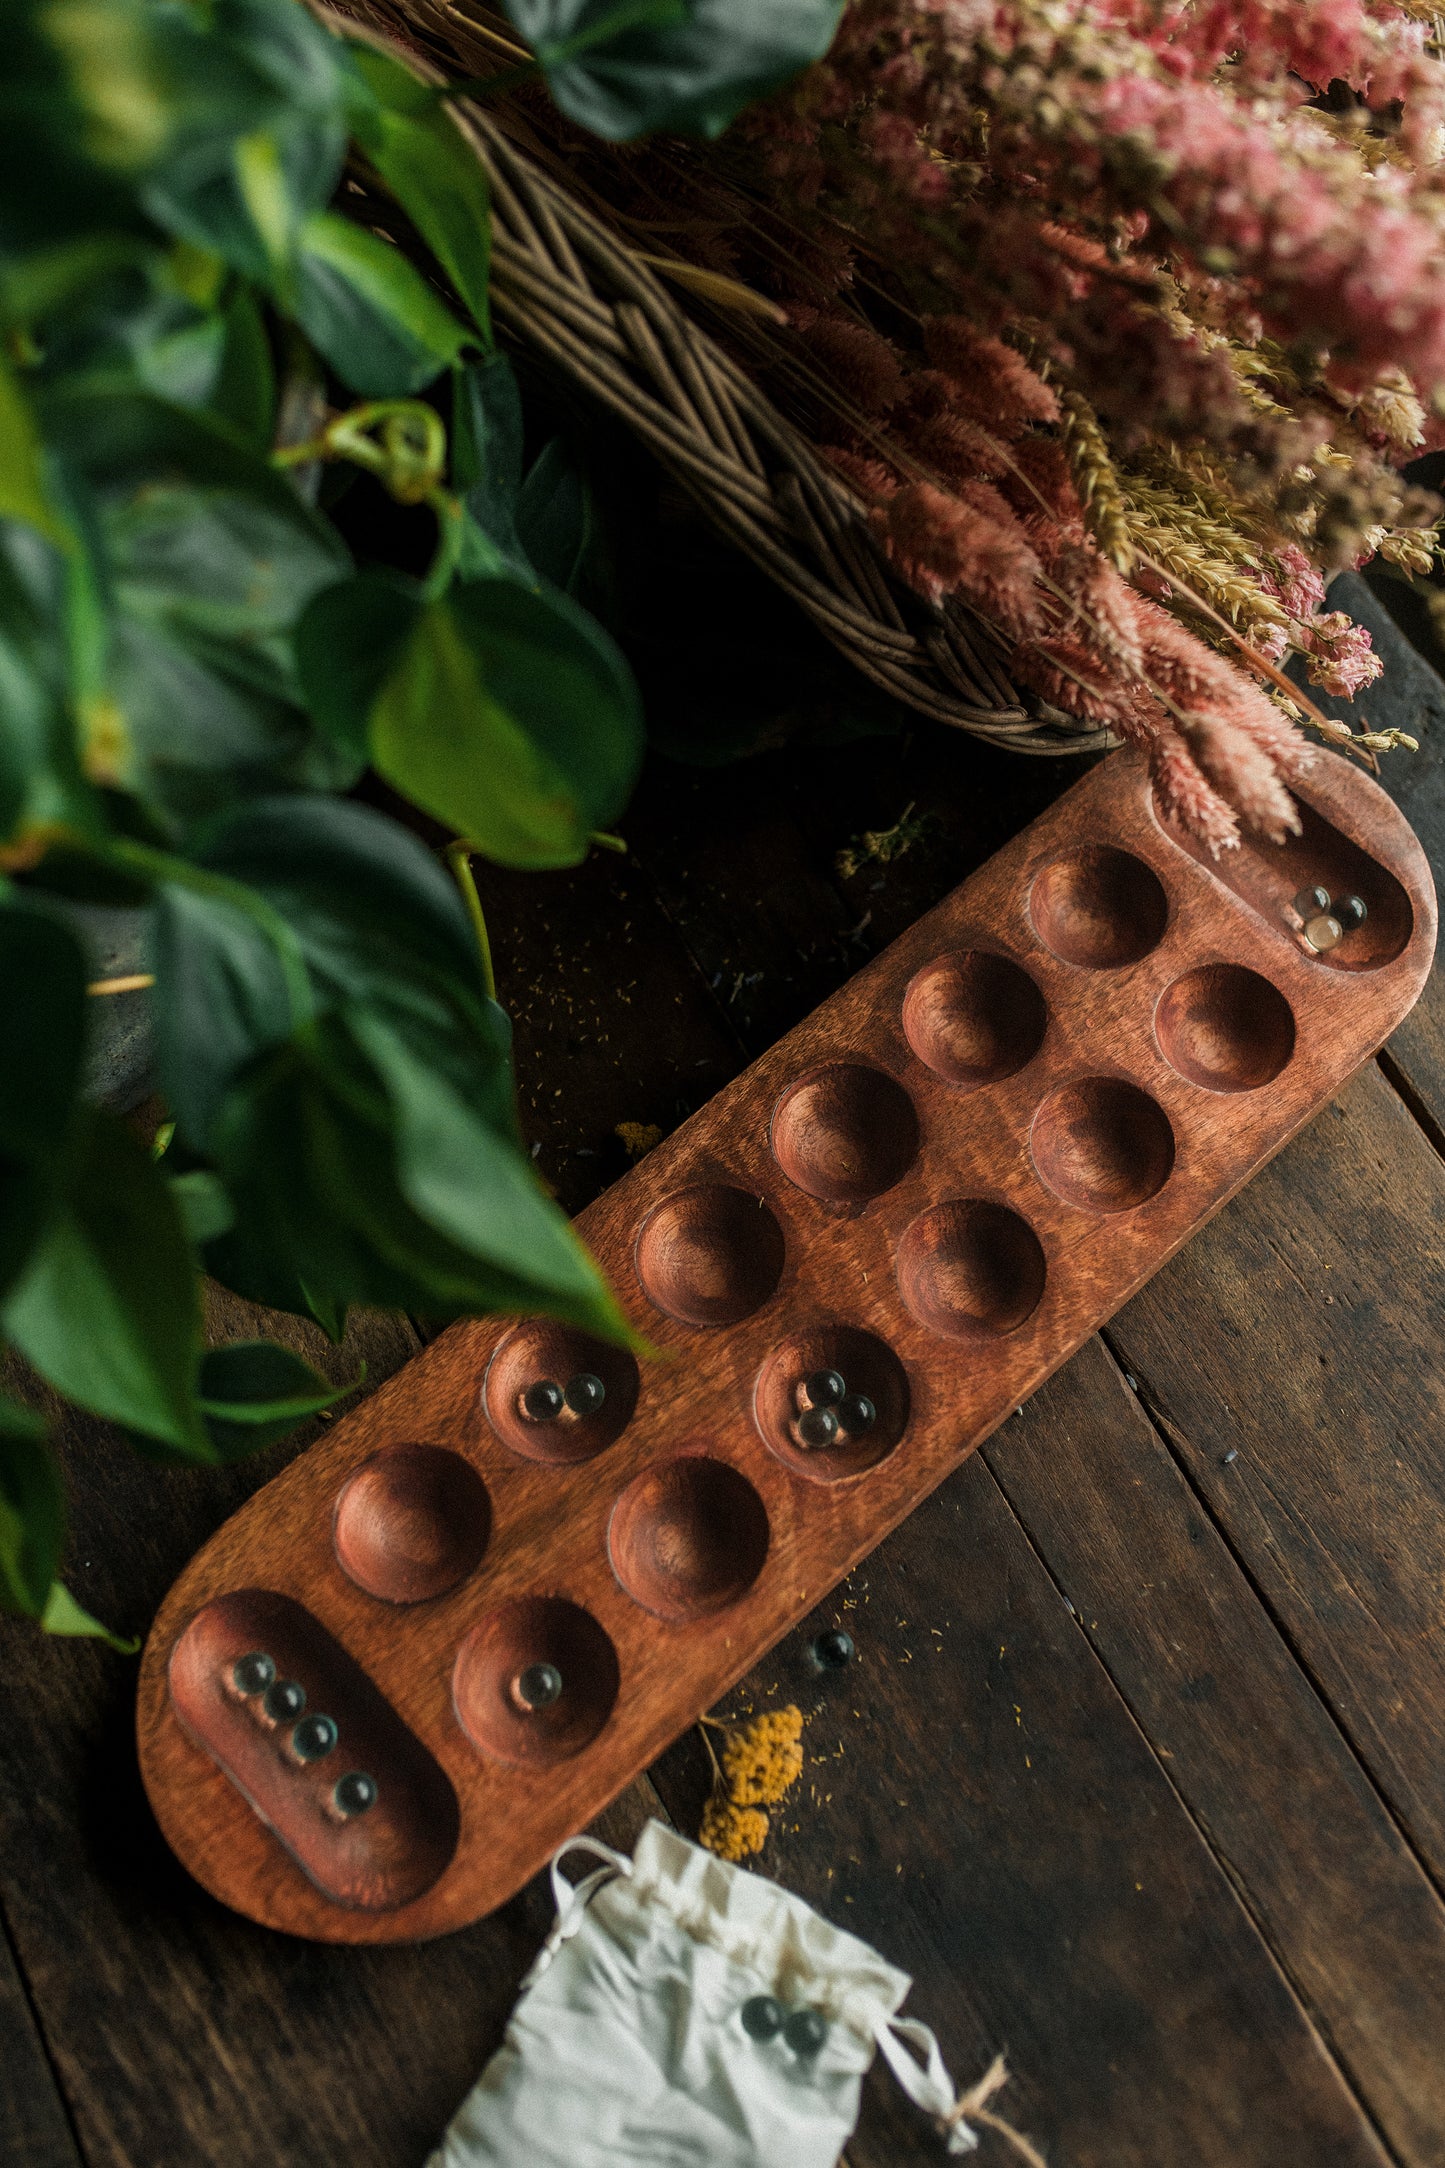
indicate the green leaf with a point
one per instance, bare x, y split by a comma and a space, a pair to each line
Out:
113, 60
258, 132
23, 491
334, 1166
41, 786
513, 717
108, 1307
692, 76
474, 1187
42, 1039
221, 997
432, 171
255, 1391
347, 645
487, 437
372, 316
204, 1207
238, 1263
557, 520
210, 557
63, 1615
245, 388
32, 1512
377, 921
260, 1381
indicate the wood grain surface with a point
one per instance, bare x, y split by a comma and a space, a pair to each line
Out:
1009, 1119
1243, 2018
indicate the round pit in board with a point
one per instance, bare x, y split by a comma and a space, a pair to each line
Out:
506, 1701
1224, 1028
412, 1523
971, 1270
845, 1133
574, 1419
688, 1538
1103, 1144
874, 1402
974, 1017
710, 1255
1098, 907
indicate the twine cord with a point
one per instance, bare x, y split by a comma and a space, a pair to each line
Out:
972, 2107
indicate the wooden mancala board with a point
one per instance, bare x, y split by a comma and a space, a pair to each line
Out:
449, 1633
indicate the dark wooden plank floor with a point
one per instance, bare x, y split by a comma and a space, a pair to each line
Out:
1139, 1770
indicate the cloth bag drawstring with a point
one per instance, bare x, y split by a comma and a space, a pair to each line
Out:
571, 1899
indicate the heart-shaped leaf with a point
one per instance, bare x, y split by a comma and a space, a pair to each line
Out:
692, 75
254, 1391
107, 1307
369, 312
513, 717
431, 170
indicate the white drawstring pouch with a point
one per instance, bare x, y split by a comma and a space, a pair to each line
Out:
629, 2046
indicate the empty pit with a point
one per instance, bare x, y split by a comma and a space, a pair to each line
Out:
1103, 1144
412, 1523
688, 1538
710, 1255
1099, 908
971, 1270
974, 1018
845, 1133
1225, 1028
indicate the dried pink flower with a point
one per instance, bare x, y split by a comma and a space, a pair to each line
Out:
991, 378
1185, 794
1342, 659
971, 546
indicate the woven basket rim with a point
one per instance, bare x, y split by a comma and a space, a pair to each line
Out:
570, 288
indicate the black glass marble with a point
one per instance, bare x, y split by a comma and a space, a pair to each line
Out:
254, 1673
857, 1414
1351, 912
284, 1698
313, 1737
833, 1649
762, 2017
544, 1401
818, 1426
825, 1388
539, 1685
805, 2031
354, 1792
1311, 901
585, 1393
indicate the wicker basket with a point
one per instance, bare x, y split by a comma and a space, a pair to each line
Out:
568, 287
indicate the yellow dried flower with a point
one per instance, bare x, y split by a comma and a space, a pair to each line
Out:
762, 1759
1412, 548
1391, 406
1097, 482
1203, 552
759, 1761
731, 1831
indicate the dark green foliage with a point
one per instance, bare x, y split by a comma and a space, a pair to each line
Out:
689, 66
194, 660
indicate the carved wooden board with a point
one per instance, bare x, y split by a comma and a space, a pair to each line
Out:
454, 1629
